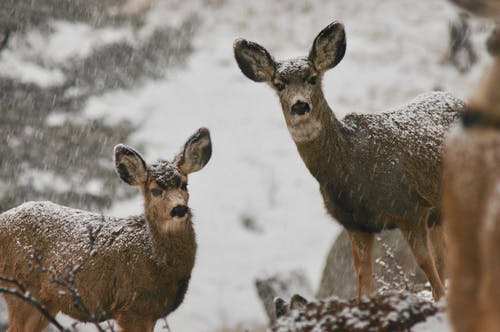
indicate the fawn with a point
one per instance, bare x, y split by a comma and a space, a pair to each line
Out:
375, 171
134, 269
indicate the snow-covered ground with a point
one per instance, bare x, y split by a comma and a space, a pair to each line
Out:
393, 50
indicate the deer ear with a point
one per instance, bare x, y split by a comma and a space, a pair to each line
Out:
328, 47
254, 60
196, 152
129, 165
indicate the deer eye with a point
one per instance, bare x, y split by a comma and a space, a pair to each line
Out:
280, 86
184, 186
156, 192
313, 79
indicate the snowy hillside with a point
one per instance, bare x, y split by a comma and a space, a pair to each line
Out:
257, 209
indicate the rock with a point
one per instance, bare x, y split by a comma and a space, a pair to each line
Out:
394, 267
283, 286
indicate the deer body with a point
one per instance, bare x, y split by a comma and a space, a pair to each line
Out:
471, 202
375, 171
135, 269
124, 253
388, 147
471, 196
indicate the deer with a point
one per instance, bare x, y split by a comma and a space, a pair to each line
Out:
471, 197
135, 269
375, 171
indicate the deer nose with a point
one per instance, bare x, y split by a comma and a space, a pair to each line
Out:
179, 211
300, 108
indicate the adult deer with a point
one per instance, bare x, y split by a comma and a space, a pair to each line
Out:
375, 171
135, 269
471, 196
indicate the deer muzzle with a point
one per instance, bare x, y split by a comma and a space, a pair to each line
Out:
179, 211
300, 108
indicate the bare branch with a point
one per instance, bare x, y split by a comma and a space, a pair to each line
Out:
165, 324
31, 300
15, 282
399, 279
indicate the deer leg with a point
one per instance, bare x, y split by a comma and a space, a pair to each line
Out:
418, 240
362, 252
23, 317
438, 244
130, 323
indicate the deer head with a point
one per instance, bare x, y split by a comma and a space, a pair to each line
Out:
164, 183
296, 81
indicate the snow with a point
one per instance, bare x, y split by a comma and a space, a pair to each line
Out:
437, 323
75, 226
28, 72
393, 48
88, 38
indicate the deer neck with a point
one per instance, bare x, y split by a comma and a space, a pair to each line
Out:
173, 242
324, 155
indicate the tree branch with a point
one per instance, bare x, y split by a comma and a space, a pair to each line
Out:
31, 300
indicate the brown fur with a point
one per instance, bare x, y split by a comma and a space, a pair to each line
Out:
471, 201
375, 171
486, 8
135, 269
